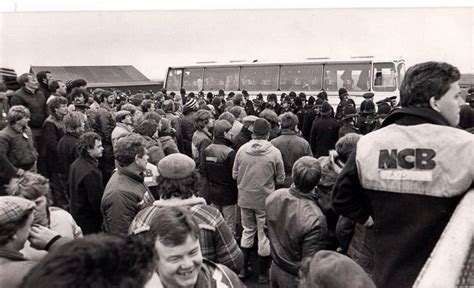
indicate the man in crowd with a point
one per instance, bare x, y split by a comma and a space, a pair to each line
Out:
85, 184
176, 235
324, 132
125, 193
176, 189
33, 99
96, 261
57, 89
45, 78
123, 125
297, 227
16, 218
219, 160
291, 146
53, 130
104, 124
17, 151
258, 167
410, 176
245, 134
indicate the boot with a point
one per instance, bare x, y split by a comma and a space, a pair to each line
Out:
263, 267
244, 273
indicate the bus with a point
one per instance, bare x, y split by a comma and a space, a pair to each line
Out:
357, 75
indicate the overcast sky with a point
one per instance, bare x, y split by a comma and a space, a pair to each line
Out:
154, 40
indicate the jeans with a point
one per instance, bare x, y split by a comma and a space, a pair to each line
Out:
229, 212
253, 221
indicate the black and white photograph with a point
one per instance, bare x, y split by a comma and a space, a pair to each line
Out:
192, 144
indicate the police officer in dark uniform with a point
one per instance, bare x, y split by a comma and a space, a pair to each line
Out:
368, 97
348, 121
366, 121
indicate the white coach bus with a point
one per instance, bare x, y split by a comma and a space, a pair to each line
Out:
358, 75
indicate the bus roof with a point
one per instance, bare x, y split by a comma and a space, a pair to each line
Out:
257, 62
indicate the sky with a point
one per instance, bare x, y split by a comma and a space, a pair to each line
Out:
154, 40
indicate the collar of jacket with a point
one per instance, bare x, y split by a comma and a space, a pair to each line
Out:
28, 91
74, 134
312, 195
91, 160
128, 173
206, 133
124, 126
105, 106
222, 141
173, 202
288, 132
418, 115
11, 254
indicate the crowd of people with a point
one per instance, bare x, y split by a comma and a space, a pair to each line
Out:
104, 189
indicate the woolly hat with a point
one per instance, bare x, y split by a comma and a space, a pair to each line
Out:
261, 127
191, 103
13, 208
349, 112
333, 270
120, 115
176, 166
326, 108
368, 95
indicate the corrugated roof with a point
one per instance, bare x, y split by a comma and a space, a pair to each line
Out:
94, 74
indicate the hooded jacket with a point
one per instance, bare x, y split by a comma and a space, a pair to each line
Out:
409, 176
258, 167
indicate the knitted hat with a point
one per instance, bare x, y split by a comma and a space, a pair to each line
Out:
13, 208
326, 108
176, 166
191, 103
120, 115
334, 270
261, 127
368, 95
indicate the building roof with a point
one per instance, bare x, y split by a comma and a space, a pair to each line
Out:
96, 75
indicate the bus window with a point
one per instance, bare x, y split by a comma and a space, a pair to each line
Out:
173, 81
401, 73
221, 78
192, 79
263, 78
353, 77
384, 77
301, 78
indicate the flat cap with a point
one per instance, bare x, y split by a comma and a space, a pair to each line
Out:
176, 166
13, 208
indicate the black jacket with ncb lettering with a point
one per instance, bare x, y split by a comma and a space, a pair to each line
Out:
408, 193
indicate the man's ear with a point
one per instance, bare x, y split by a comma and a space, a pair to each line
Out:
434, 104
